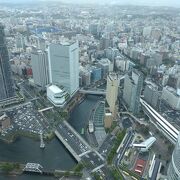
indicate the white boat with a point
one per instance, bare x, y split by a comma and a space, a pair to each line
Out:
91, 127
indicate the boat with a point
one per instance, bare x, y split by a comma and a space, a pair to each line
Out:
91, 127
82, 131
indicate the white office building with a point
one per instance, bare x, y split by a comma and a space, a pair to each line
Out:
39, 62
64, 65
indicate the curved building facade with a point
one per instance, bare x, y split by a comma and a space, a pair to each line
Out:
174, 167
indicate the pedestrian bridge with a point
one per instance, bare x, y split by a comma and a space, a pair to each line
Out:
33, 167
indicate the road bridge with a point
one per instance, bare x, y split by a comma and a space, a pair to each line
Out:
135, 118
77, 134
77, 146
93, 91
68, 147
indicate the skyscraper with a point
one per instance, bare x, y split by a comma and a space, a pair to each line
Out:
112, 91
133, 83
64, 65
6, 82
174, 167
39, 61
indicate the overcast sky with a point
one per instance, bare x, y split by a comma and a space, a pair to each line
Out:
137, 2
173, 3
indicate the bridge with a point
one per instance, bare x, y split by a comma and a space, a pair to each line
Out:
134, 117
68, 147
74, 143
33, 167
45, 109
160, 122
93, 91
78, 147
42, 144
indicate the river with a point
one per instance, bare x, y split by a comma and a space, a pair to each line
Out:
55, 155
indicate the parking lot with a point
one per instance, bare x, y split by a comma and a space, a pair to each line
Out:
26, 119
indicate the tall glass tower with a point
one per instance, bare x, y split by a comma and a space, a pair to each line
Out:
174, 167
6, 82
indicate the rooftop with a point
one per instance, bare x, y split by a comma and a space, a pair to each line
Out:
55, 89
172, 90
149, 141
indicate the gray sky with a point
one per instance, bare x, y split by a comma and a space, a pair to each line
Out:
173, 3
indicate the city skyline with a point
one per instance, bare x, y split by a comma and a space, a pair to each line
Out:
96, 89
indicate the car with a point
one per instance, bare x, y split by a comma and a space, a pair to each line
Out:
92, 162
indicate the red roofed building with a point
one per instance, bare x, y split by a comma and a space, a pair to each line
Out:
140, 166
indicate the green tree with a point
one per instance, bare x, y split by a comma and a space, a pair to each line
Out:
7, 167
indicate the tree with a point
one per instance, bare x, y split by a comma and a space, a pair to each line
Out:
144, 129
7, 167
17, 165
78, 167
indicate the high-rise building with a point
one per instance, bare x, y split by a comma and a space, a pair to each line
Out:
105, 43
96, 74
20, 42
86, 77
6, 82
133, 83
93, 29
174, 167
39, 61
112, 91
64, 65
151, 94
170, 96
106, 65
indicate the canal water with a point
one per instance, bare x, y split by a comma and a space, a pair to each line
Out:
79, 117
27, 177
24, 150
55, 155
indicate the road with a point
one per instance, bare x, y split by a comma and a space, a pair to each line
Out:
125, 144
86, 153
107, 145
